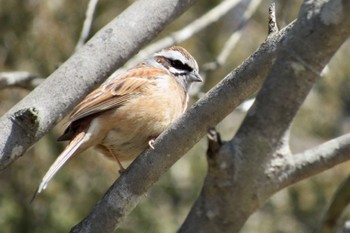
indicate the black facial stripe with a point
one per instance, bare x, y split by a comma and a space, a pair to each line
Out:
181, 74
177, 64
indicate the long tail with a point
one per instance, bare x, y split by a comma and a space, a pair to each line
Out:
70, 150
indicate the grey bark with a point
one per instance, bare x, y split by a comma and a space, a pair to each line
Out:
244, 174
133, 184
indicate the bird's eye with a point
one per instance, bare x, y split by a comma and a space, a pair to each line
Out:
180, 66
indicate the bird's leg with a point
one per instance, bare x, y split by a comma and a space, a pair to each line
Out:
152, 141
122, 169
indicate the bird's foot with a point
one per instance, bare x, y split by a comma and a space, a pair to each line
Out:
151, 143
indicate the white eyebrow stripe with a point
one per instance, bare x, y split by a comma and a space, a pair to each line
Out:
174, 55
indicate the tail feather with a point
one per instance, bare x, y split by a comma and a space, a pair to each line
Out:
61, 159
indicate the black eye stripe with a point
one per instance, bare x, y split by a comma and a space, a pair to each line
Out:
180, 66
180, 74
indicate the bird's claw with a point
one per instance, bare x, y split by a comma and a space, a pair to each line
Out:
151, 143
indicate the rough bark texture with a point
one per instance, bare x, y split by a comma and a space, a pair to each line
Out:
243, 176
36, 114
243, 172
132, 185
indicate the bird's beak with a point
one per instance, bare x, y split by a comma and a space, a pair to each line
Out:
195, 77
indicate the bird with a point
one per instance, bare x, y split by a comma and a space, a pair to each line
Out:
122, 117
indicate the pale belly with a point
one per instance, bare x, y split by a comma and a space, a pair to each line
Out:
135, 124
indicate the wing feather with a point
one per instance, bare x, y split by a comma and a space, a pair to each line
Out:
116, 92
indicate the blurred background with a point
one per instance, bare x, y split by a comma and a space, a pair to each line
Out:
37, 36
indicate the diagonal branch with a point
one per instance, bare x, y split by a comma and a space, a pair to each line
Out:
232, 40
38, 112
227, 48
312, 43
243, 185
132, 185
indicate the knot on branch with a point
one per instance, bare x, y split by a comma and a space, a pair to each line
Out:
27, 120
218, 161
214, 142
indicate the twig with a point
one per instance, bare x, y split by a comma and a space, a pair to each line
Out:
272, 26
339, 202
89, 15
227, 48
177, 37
21, 79
214, 142
232, 41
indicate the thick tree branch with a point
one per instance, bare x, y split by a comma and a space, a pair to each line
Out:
132, 185
318, 33
245, 181
86, 69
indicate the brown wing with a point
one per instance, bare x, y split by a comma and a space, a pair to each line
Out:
116, 92
112, 94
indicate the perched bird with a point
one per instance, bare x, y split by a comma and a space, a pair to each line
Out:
123, 116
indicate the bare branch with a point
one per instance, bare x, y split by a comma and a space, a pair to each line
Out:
228, 199
177, 37
21, 79
242, 178
96, 60
318, 159
232, 41
272, 26
132, 185
227, 48
294, 72
338, 204
89, 15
